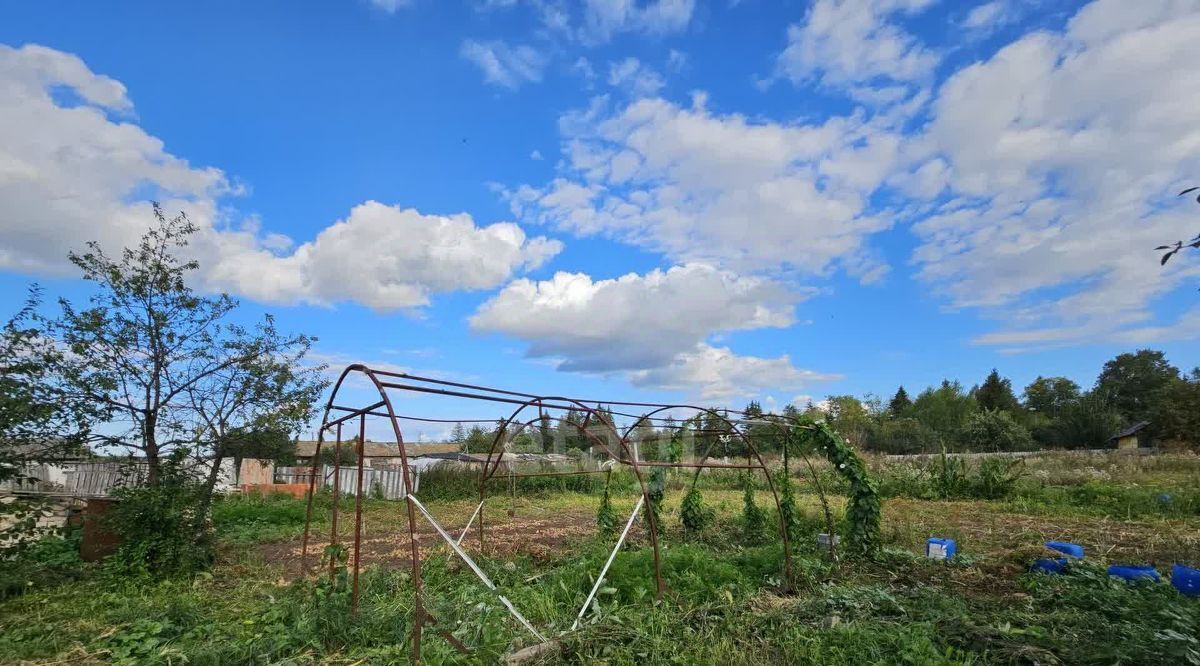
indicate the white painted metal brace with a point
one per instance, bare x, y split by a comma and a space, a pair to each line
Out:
469, 523
474, 567
611, 557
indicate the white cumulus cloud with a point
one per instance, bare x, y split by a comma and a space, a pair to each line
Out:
653, 328
634, 320
716, 373
1063, 152
743, 194
74, 168
384, 257
845, 42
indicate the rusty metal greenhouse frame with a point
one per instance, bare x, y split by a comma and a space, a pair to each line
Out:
596, 426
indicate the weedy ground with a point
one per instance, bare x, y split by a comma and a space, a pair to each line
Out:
727, 602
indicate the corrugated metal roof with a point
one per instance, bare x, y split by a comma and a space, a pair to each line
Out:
306, 448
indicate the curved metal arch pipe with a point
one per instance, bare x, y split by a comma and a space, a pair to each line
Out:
539, 401
418, 593
597, 410
783, 527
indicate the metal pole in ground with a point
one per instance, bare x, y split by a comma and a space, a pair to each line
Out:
362, 436
337, 492
312, 479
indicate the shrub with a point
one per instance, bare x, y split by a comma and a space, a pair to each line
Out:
449, 482
996, 478
903, 436
693, 514
754, 520
49, 561
949, 477
1086, 423
606, 518
995, 430
158, 526
656, 488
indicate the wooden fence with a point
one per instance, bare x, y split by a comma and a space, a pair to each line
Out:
387, 483
81, 479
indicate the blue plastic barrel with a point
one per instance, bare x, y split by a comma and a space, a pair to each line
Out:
1130, 572
1186, 580
1048, 566
939, 548
1068, 549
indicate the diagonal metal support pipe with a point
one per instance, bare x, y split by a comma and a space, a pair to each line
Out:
474, 567
612, 556
469, 523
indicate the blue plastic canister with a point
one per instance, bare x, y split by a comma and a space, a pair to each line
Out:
1186, 580
1048, 566
1132, 573
938, 548
1068, 549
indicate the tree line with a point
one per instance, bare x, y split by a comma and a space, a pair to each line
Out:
1050, 413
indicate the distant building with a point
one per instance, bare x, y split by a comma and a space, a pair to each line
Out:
1134, 437
375, 454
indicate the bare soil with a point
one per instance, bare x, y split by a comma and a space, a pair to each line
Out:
539, 536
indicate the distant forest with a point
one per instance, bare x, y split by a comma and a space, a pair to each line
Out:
1049, 413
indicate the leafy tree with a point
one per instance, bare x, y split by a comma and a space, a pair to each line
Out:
648, 441
996, 393
1086, 423
901, 436
900, 403
546, 434
944, 409
995, 430
1176, 410
1050, 395
40, 418
147, 345
348, 456
1130, 382
250, 408
458, 435
480, 440
849, 417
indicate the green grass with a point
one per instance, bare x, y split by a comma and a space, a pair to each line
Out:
721, 608
724, 602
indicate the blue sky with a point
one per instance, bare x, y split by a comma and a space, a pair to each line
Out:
661, 200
